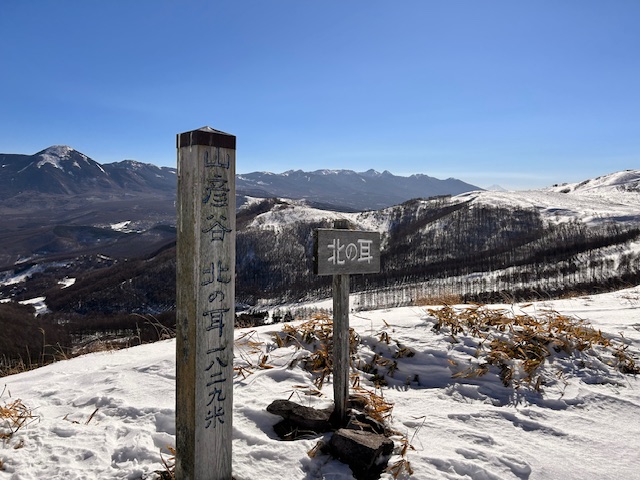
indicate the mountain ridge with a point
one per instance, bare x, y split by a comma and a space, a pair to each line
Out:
370, 190
61, 170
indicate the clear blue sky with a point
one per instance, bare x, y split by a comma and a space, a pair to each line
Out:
517, 93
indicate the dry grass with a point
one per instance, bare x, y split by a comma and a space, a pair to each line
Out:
169, 472
316, 335
247, 346
446, 298
14, 416
12, 367
519, 345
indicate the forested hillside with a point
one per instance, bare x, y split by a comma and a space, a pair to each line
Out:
475, 250
477, 246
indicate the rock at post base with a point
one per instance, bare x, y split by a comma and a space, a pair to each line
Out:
366, 453
299, 420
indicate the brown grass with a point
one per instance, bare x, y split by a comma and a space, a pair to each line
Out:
446, 298
14, 416
315, 335
169, 472
519, 345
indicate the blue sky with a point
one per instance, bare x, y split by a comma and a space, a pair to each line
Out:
521, 94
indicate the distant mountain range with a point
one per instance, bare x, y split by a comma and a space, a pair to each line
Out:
346, 189
61, 170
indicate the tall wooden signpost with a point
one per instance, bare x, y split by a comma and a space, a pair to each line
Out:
205, 304
340, 252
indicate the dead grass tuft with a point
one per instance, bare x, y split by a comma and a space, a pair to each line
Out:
169, 472
247, 346
316, 335
373, 404
14, 416
519, 345
441, 299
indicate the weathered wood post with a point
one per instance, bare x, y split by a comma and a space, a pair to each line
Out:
205, 307
340, 286
339, 252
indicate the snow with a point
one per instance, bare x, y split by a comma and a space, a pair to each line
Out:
595, 207
615, 198
110, 414
37, 303
66, 282
54, 155
12, 278
121, 227
292, 211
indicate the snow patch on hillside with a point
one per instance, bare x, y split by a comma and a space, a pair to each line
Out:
38, 303
291, 211
610, 199
56, 154
598, 205
66, 282
121, 227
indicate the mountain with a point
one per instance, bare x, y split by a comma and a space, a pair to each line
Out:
479, 245
572, 237
627, 181
346, 189
476, 244
61, 170
61, 203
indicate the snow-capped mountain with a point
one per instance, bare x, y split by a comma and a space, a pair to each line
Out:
346, 189
610, 186
62, 170
609, 198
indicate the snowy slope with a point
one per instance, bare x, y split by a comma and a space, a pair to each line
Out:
291, 211
614, 197
108, 415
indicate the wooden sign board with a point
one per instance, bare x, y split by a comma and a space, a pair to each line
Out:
338, 252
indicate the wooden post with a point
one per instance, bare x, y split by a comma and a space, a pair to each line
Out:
341, 346
341, 340
339, 252
205, 307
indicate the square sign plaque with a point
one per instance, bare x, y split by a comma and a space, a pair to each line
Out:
338, 251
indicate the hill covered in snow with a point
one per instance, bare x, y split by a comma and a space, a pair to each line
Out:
112, 414
606, 199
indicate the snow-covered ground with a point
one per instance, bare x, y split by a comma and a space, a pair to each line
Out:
110, 414
613, 197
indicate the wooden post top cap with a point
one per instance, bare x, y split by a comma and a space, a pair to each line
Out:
206, 136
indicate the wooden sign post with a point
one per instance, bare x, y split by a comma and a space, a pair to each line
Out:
340, 252
205, 304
